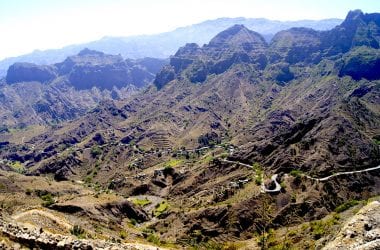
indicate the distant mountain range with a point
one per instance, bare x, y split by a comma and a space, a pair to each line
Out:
165, 44
234, 139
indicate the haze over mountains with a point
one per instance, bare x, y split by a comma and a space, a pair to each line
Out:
165, 44
240, 143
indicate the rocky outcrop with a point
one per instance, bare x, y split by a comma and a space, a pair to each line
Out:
90, 69
125, 209
362, 62
232, 46
37, 239
166, 75
61, 168
29, 72
362, 231
95, 69
295, 45
239, 45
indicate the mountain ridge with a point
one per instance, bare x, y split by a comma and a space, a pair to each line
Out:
238, 143
166, 43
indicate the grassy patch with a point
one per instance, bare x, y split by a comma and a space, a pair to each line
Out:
154, 238
322, 227
161, 208
47, 200
259, 179
17, 167
173, 163
141, 202
123, 234
376, 139
343, 207
207, 159
259, 173
296, 173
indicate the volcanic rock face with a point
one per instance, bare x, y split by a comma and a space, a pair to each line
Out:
29, 72
232, 46
90, 69
95, 69
36, 94
297, 45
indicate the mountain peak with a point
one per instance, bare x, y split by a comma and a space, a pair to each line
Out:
238, 35
354, 14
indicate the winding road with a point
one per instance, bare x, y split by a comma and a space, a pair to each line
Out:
342, 173
278, 186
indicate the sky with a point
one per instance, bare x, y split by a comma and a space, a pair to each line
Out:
27, 25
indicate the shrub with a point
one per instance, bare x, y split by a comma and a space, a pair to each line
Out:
161, 208
88, 179
47, 200
259, 180
77, 231
318, 229
343, 207
133, 221
377, 141
141, 202
123, 234
95, 151
296, 173
153, 238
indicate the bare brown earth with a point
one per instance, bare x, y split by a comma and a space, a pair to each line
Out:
203, 143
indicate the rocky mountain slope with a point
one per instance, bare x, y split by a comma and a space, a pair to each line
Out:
362, 231
165, 44
235, 142
44, 94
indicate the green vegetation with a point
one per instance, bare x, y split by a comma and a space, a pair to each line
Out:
78, 231
296, 173
123, 234
209, 139
207, 159
259, 173
259, 179
161, 208
322, 227
153, 238
223, 155
17, 167
47, 200
88, 179
141, 202
96, 151
173, 163
133, 221
343, 207
376, 139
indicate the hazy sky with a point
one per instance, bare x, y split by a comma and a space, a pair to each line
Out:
26, 25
